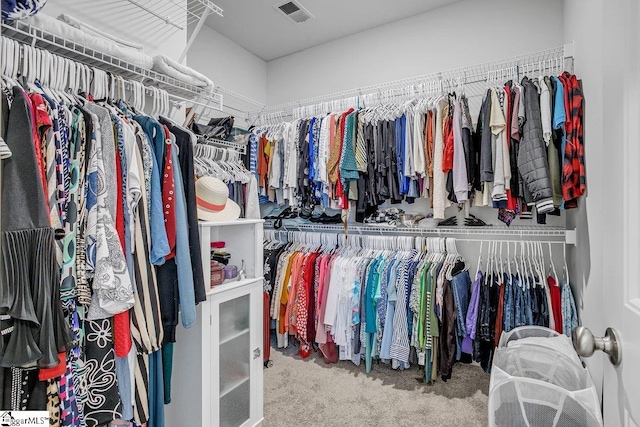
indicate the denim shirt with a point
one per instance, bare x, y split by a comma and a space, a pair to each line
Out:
155, 132
186, 290
472, 312
159, 241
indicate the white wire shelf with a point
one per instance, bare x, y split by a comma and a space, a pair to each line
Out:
176, 13
514, 231
28, 34
472, 76
240, 148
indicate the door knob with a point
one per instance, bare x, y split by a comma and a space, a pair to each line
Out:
586, 344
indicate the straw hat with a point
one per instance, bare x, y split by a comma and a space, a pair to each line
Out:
212, 198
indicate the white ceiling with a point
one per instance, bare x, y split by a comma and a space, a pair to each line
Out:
259, 28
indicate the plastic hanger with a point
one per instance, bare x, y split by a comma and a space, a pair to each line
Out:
479, 261
538, 263
552, 267
565, 268
501, 265
509, 260
523, 265
531, 260
489, 264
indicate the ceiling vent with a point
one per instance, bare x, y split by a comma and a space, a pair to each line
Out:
293, 11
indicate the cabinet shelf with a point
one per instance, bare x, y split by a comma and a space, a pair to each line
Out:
231, 285
218, 356
233, 385
234, 336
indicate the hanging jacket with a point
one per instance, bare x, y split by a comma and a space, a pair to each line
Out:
532, 155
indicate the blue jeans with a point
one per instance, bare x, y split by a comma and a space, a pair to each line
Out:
518, 302
460, 286
508, 318
528, 303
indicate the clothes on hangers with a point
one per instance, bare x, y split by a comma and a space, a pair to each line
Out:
404, 307
97, 318
226, 165
513, 161
363, 304
503, 301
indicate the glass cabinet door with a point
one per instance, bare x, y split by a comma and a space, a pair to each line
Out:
235, 361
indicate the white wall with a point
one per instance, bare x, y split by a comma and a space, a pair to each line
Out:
584, 26
228, 64
464, 33
450, 37
126, 21
232, 67
601, 52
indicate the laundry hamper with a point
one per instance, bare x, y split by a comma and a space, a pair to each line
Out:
533, 386
540, 336
525, 332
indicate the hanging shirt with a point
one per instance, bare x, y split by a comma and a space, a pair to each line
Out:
460, 178
545, 109
498, 124
418, 148
439, 178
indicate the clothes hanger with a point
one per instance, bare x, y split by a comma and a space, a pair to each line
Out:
538, 263
531, 258
28, 69
515, 260
552, 267
479, 261
489, 264
565, 272
525, 270
501, 274
10, 62
523, 265
509, 260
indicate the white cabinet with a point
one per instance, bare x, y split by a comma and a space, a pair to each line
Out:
218, 363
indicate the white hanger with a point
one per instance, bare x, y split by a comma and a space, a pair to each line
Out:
566, 269
509, 260
479, 261
501, 265
552, 267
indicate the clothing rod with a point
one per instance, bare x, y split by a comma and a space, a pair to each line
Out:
546, 242
532, 233
474, 71
26, 34
395, 93
217, 106
128, 84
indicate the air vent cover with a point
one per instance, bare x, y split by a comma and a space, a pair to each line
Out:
293, 11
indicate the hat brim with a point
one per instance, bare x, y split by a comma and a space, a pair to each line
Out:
231, 212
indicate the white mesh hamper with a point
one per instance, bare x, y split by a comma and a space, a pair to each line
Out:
525, 332
540, 336
537, 387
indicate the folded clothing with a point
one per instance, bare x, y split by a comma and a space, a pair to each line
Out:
165, 65
12, 10
100, 44
76, 23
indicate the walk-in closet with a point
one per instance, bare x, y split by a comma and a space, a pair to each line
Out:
238, 213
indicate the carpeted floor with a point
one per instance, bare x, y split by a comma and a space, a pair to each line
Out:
308, 392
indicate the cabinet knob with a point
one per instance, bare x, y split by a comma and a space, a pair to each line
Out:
256, 353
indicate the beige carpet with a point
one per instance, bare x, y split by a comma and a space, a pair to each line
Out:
310, 393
